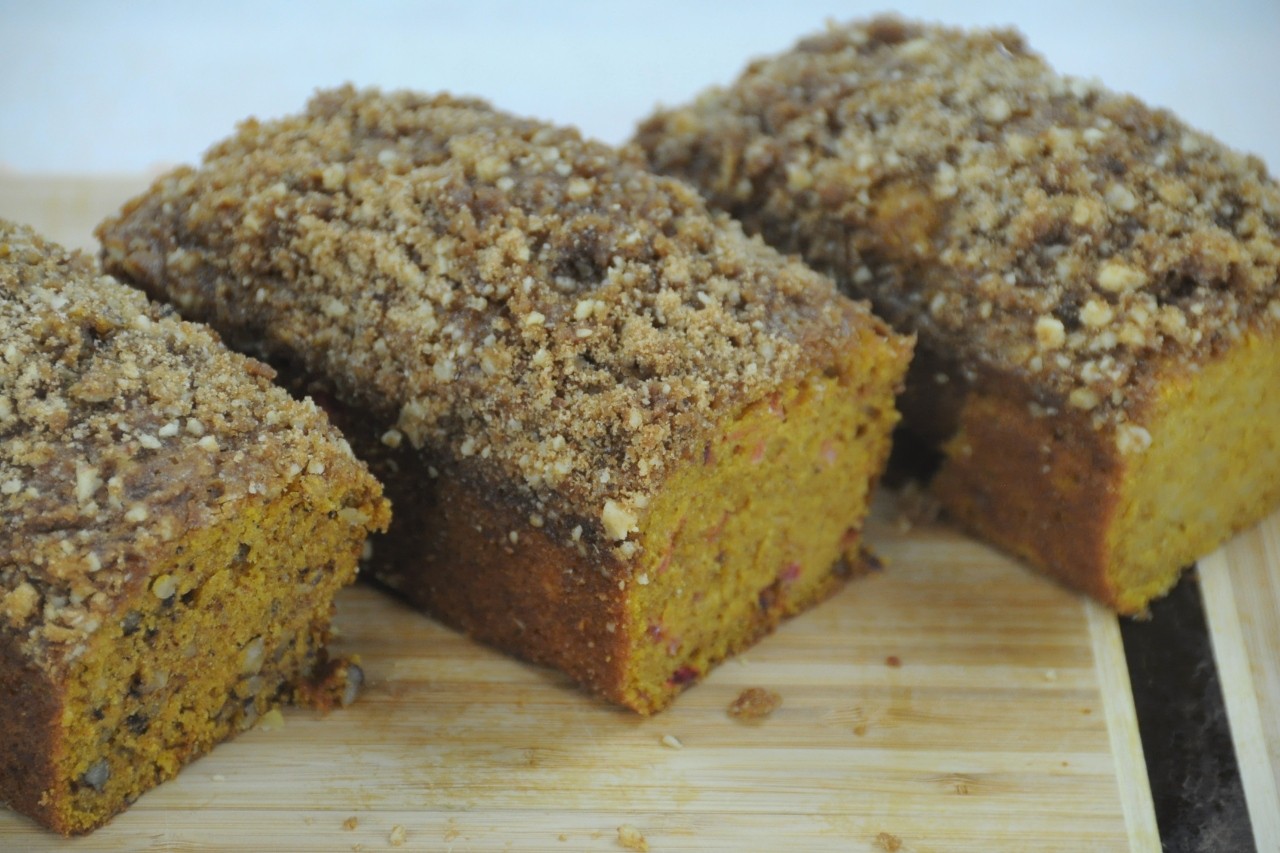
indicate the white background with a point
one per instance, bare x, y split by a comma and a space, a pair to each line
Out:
128, 86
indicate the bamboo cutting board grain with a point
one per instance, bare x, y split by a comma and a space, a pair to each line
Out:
953, 702
1241, 586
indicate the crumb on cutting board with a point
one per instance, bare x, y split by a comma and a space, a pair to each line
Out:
888, 842
398, 835
755, 703
632, 838
351, 823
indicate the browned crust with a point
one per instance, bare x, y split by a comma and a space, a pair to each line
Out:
450, 553
30, 708
539, 598
1045, 489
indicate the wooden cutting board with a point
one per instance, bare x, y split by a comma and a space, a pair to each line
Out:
954, 701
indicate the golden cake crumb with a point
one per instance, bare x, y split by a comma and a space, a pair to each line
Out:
271, 721
755, 703
351, 823
398, 836
1103, 234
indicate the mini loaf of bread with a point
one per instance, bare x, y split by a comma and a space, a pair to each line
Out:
1093, 283
173, 529
622, 438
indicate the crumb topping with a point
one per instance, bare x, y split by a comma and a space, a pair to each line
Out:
1029, 223
496, 289
121, 427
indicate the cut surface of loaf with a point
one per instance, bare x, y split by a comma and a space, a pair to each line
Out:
1093, 283
622, 438
173, 528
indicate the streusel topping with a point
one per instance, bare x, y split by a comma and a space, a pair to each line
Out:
1028, 223
121, 428
497, 289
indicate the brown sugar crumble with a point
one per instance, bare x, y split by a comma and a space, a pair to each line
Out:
754, 703
553, 315
173, 529
888, 842
114, 415
1101, 233
1095, 286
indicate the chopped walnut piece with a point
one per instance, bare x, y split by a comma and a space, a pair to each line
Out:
1115, 276
618, 522
1050, 332
19, 603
